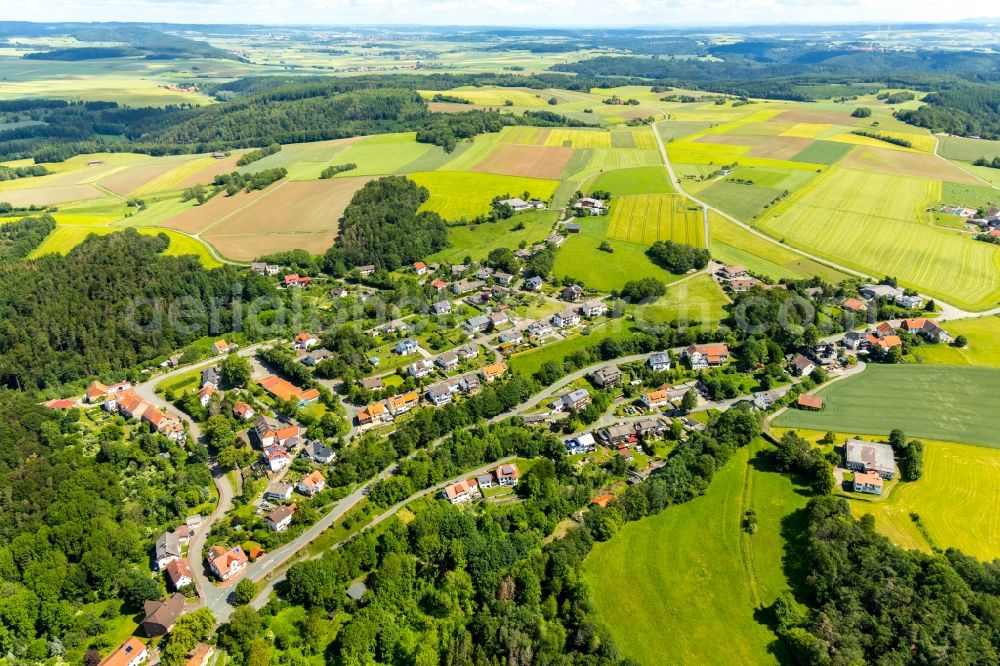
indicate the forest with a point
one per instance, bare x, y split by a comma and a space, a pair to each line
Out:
18, 239
110, 304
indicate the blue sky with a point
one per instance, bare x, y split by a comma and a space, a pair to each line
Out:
501, 12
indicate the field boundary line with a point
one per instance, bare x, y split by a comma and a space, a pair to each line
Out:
266, 194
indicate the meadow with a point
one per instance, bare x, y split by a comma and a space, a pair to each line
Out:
635, 180
942, 402
476, 241
982, 348
529, 362
663, 571
698, 299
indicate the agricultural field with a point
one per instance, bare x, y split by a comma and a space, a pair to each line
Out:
942, 402
457, 194
579, 138
532, 161
874, 223
636, 180
476, 241
702, 588
696, 300
982, 349
647, 218
65, 238
967, 150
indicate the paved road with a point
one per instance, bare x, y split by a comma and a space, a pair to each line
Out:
265, 593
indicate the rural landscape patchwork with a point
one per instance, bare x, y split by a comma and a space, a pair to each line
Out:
369, 344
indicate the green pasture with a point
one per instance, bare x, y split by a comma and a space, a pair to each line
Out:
621, 158
699, 299
456, 194
965, 149
477, 241
875, 223
942, 402
640, 180
744, 202
692, 568
982, 348
973, 196
529, 362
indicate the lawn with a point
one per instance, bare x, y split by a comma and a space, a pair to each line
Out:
529, 362
696, 300
476, 241
637, 180
647, 218
874, 222
459, 194
983, 348
944, 402
691, 568
580, 258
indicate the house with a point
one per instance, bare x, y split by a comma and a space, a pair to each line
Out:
909, 302
439, 284
862, 456
484, 481
607, 376
394, 326
595, 308
130, 405
440, 394
511, 338
873, 292
166, 549
576, 400
222, 347
825, 354
506, 279
476, 324
312, 483
421, 368
484, 273
533, 283
296, 280
280, 519
466, 286
539, 329
734, 272
205, 395
400, 404
802, 365
441, 308
304, 340
885, 343
131, 653
764, 400
165, 424
406, 347
367, 270
809, 402
462, 491
572, 227
211, 376
276, 458
313, 358
565, 319
868, 482
97, 390
571, 293
740, 285
493, 372
227, 563
447, 361
419, 267
516, 204
854, 305
656, 399
318, 453
178, 573
659, 362
854, 340
499, 319
458, 269
278, 491
468, 352
265, 429
243, 411
700, 357
926, 328
285, 390
617, 434
372, 383
374, 414
584, 443
161, 615
507, 475
200, 655
594, 206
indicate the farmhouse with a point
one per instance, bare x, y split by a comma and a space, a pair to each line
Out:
161, 615
594, 206
740, 285
926, 328
734, 272
802, 365
285, 390
700, 357
227, 563
131, 653
810, 402
862, 456
659, 362
873, 292
868, 482
607, 376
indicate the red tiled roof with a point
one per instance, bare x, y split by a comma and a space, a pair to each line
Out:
603, 500
125, 653
810, 401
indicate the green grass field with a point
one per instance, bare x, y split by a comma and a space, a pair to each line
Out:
457, 194
477, 241
983, 348
874, 223
822, 152
696, 300
647, 218
580, 258
744, 202
529, 362
638, 180
973, 196
692, 568
942, 402
967, 150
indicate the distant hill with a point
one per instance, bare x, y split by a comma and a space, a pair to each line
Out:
134, 40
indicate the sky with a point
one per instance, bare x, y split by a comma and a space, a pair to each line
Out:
528, 13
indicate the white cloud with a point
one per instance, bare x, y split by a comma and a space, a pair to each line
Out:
500, 12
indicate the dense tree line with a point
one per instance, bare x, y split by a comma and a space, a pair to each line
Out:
381, 226
333, 170
30, 171
82, 505
259, 180
104, 308
869, 601
258, 154
896, 141
18, 239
